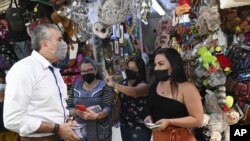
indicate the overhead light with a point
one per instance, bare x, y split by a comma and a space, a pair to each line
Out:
158, 8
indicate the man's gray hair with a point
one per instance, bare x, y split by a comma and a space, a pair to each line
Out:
41, 32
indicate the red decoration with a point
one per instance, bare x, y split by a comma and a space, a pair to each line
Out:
81, 107
224, 61
182, 2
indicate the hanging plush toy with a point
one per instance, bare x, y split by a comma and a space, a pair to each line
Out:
207, 59
217, 125
101, 30
224, 61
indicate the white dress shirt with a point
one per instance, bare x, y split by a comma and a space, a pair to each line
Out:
32, 96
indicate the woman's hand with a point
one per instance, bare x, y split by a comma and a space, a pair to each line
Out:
164, 123
109, 79
87, 115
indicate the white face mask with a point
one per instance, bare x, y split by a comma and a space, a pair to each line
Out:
61, 50
2, 87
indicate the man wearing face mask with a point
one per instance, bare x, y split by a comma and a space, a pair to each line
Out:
35, 94
94, 94
133, 94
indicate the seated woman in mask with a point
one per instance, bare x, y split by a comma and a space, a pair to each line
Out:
174, 104
95, 98
133, 97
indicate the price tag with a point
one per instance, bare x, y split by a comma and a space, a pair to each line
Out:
182, 9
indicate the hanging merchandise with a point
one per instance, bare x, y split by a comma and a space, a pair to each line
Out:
3, 30
16, 25
7, 56
232, 3
101, 30
77, 13
145, 11
114, 11
65, 25
22, 49
236, 20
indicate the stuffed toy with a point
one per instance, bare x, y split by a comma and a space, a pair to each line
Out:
208, 20
215, 79
101, 30
200, 73
211, 103
221, 95
205, 43
217, 101
214, 126
207, 59
231, 116
224, 61
217, 124
164, 40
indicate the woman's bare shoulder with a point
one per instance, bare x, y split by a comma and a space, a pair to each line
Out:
186, 85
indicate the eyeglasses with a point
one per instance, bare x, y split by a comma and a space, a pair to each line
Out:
87, 71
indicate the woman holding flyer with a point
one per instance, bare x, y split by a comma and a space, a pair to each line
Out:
174, 104
91, 103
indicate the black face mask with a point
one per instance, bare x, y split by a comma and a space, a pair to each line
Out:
89, 77
131, 75
162, 75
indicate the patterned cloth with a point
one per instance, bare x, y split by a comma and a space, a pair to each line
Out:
132, 108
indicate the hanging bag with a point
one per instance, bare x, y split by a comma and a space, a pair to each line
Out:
16, 25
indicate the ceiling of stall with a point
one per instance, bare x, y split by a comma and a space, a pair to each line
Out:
149, 35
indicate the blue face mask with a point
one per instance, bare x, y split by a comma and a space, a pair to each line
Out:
2, 87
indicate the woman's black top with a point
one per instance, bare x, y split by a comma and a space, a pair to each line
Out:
160, 107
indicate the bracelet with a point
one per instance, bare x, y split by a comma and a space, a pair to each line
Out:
116, 91
56, 128
114, 84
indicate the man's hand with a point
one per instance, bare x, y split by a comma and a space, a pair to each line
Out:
66, 132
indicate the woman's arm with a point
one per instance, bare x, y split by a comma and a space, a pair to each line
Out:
140, 90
